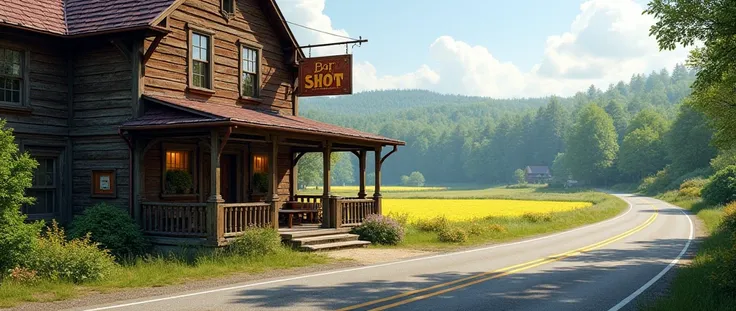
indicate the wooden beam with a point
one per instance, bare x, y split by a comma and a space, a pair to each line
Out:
326, 165
362, 167
388, 154
273, 170
152, 47
215, 168
378, 163
122, 48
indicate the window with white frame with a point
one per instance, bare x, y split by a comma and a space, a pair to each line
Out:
249, 80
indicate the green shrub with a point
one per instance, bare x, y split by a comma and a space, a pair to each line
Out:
692, 187
724, 275
452, 235
17, 237
255, 242
380, 230
722, 187
435, 224
23, 275
112, 228
497, 228
729, 217
656, 183
178, 182
76, 260
260, 182
537, 217
401, 218
701, 173
476, 229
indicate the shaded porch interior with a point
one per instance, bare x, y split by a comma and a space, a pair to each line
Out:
241, 176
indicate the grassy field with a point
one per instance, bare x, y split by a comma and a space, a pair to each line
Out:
469, 209
156, 272
693, 288
503, 211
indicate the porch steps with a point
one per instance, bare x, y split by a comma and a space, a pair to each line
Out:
289, 235
335, 245
322, 239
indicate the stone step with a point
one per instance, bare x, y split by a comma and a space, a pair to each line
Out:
333, 246
311, 233
324, 239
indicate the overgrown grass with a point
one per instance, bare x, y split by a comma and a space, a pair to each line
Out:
158, 271
499, 229
693, 288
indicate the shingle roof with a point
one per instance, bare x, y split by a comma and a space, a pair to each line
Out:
537, 170
43, 15
217, 113
76, 17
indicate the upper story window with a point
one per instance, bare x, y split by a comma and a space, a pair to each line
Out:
11, 76
250, 71
201, 61
228, 7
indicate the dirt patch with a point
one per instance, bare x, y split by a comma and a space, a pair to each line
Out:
369, 256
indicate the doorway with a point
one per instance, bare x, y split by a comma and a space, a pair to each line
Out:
229, 178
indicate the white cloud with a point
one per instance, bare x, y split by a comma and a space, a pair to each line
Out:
608, 41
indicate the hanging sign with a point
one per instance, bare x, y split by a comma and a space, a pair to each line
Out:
326, 76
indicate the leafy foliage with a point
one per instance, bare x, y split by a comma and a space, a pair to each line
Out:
380, 230
688, 142
77, 260
255, 242
17, 238
178, 182
722, 187
693, 187
415, 179
520, 176
112, 228
435, 224
452, 235
592, 145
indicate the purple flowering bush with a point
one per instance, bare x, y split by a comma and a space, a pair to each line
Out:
380, 230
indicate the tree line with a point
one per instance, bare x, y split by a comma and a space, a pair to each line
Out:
631, 130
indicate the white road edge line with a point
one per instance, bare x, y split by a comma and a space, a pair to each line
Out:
656, 278
631, 206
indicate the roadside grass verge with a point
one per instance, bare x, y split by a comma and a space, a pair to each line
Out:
694, 288
157, 271
500, 229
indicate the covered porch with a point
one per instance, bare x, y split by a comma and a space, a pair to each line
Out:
203, 173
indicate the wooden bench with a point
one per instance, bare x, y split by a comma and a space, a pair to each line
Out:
289, 213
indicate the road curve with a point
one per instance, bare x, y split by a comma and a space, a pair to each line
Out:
604, 266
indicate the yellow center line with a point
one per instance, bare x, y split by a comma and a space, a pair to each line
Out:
482, 277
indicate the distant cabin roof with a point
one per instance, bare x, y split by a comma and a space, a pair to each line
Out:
537, 170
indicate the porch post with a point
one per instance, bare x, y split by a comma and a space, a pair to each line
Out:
138, 171
292, 178
362, 163
273, 183
216, 217
326, 215
377, 195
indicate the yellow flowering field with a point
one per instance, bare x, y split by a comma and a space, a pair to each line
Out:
467, 209
369, 189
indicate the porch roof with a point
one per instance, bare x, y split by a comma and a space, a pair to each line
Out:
193, 113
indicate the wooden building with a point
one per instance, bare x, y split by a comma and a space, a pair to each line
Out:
183, 112
538, 174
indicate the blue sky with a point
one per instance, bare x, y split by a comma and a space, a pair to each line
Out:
487, 47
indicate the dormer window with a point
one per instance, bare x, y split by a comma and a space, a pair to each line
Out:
227, 7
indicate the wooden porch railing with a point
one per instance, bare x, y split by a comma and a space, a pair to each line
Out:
175, 219
308, 198
354, 211
240, 216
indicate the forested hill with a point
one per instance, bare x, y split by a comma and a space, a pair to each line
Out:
461, 139
396, 100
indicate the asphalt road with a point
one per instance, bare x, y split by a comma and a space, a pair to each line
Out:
603, 266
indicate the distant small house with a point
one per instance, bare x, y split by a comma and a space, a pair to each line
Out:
538, 174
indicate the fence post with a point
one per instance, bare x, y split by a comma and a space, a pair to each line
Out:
336, 205
275, 215
216, 223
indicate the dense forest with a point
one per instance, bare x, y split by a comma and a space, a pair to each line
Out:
629, 131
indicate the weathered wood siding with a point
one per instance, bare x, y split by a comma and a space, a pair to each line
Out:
48, 81
102, 100
166, 72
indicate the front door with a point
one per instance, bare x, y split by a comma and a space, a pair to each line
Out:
228, 178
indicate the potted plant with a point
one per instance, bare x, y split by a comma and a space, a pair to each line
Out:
178, 182
260, 182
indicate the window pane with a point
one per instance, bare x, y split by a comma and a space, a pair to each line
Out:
227, 6
249, 85
195, 39
195, 53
